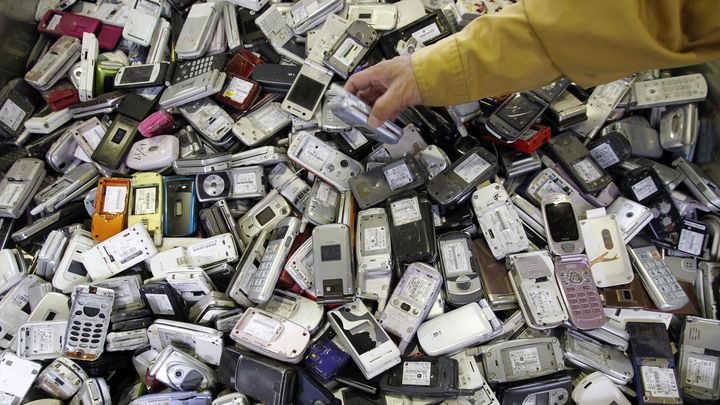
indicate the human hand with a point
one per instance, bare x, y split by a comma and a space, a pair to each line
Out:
389, 86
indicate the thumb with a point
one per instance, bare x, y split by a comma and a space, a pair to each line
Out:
386, 107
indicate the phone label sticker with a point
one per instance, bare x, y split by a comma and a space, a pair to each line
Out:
427, 34
405, 211
374, 238
271, 117
604, 155
354, 137
398, 176
11, 115
145, 200
587, 170
644, 188
504, 222
418, 289
454, 260
282, 306
11, 194
691, 241
181, 341
160, 304
701, 372
327, 195
125, 249
471, 168
544, 302
659, 381
114, 201
416, 373
314, 153
262, 327
525, 361
244, 183
54, 22
238, 90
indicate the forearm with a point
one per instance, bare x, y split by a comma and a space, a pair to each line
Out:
533, 43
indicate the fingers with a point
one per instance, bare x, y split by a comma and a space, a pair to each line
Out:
386, 107
359, 81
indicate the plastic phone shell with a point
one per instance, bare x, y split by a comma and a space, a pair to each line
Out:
204, 343
333, 264
454, 184
389, 180
141, 22
411, 302
111, 206
319, 158
71, 271
411, 229
119, 252
368, 344
523, 359
89, 305
499, 221
604, 244
271, 335
146, 202
479, 325
533, 280
263, 215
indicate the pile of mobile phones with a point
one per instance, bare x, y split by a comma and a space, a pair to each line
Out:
203, 214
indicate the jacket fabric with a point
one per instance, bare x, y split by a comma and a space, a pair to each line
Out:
534, 42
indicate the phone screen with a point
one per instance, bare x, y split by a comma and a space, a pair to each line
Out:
306, 92
519, 111
137, 74
561, 221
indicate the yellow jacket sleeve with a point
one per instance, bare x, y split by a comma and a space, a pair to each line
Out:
534, 42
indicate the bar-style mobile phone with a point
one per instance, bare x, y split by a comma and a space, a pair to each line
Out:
660, 283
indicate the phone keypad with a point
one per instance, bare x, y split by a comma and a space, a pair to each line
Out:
664, 280
260, 277
88, 325
197, 67
582, 295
